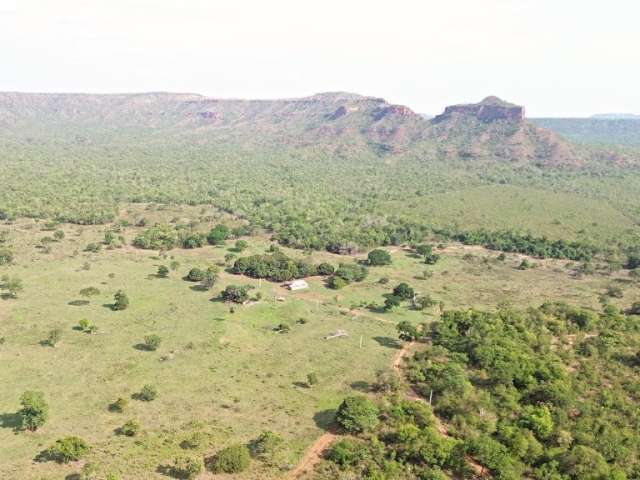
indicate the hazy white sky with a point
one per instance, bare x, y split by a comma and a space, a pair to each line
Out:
557, 57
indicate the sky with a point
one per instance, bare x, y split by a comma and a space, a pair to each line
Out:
556, 57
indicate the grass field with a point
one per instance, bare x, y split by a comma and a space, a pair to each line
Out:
228, 375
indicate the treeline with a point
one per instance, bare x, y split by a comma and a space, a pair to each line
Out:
278, 267
541, 247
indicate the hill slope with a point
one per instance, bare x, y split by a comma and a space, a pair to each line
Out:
336, 122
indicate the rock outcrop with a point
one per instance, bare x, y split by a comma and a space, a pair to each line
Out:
488, 110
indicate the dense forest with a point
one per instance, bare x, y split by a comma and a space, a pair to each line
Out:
549, 393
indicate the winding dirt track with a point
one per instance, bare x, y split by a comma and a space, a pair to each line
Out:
314, 454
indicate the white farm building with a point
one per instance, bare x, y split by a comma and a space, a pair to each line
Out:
297, 285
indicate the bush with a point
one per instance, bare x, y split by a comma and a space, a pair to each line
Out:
130, 428
54, 337
89, 292
351, 272
119, 405
218, 235
163, 271
336, 282
235, 294
325, 269
68, 449
195, 440
378, 257
121, 301
525, 265
268, 448
241, 245
357, 414
195, 275
312, 379
232, 459
6, 256
404, 291
187, 467
392, 301
347, 452
148, 393
431, 259
34, 412
158, 237
93, 247
152, 342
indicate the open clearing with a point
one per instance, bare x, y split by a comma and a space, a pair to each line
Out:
226, 374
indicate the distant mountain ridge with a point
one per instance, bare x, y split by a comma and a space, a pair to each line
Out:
337, 122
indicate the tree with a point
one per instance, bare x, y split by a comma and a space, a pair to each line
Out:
407, 331
538, 420
232, 459
585, 463
152, 342
336, 283
195, 275
209, 278
378, 257
403, 291
34, 412
391, 302
68, 449
357, 414
325, 269
121, 301
163, 271
235, 293
218, 235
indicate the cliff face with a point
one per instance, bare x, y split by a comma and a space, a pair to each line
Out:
488, 110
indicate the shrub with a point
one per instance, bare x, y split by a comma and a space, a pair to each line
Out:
195, 275
407, 331
218, 235
121, 301
614, 291
232, 459
312, 379
158, 237
209, 278
268, 448
68, 449
89, 292
152, 342
351, 272
336, 282
241, 245
6, 256
357, 414
163, 271
235, 293
525, 265
378, 257
119, 405
325, 269
83, 325
54, 337
34, 412
93, 247
392, 301
404, 291
431, 259
148, 393
130, 428
195, 440
187, 467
